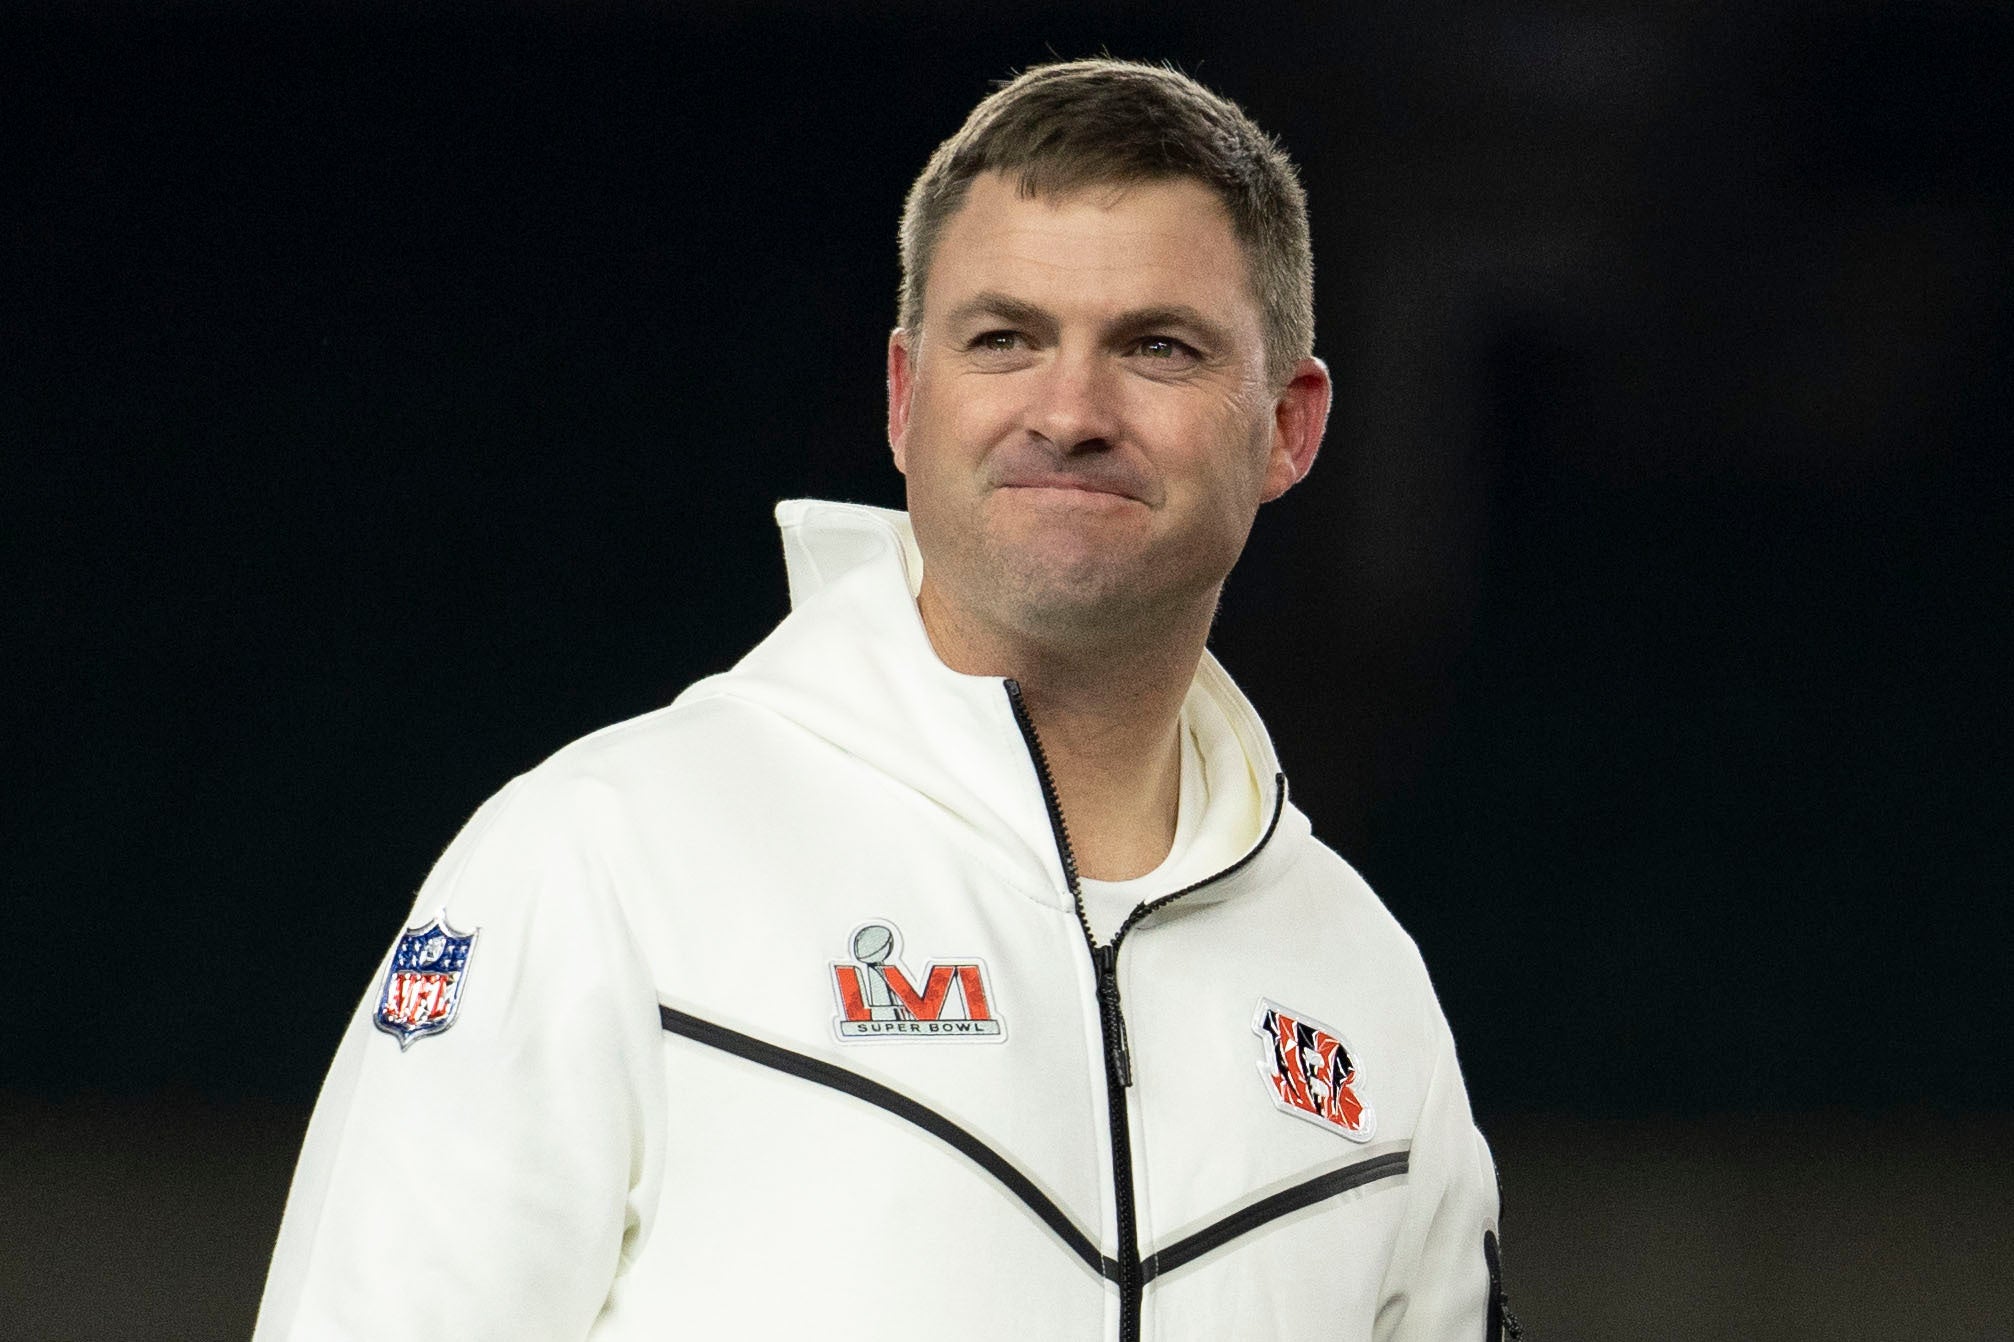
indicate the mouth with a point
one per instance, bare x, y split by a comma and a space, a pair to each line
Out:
1069, 487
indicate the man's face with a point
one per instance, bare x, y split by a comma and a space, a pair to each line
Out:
1084, 418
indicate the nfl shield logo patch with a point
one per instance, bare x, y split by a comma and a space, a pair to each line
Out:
423, 986
1309, 1072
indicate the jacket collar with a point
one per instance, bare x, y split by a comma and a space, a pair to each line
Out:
853, 666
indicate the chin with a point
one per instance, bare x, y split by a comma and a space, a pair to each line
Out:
1094, 595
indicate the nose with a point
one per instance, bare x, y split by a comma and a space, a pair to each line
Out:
1074, 405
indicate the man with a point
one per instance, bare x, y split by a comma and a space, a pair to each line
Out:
956, 964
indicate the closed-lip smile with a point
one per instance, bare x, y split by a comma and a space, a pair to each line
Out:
1071, 481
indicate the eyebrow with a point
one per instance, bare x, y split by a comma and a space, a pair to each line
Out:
991, 305
1179, 315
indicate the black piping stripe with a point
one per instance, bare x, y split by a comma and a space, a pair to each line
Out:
1247, 1219
895, 1102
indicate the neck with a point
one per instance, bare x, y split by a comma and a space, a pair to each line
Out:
1108, 710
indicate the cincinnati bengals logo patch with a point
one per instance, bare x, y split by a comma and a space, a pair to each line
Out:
880, 1000
1309, 1073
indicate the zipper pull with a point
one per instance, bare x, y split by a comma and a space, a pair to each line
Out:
1118, 1058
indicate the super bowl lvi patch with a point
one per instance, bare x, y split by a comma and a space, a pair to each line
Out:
879, 1000
423, 985
1309, 1072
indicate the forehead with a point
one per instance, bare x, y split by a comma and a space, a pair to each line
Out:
1146, 244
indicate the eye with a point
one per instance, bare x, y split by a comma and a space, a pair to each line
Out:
1165, 349
996, 342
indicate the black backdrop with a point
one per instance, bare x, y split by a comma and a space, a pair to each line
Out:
392, 393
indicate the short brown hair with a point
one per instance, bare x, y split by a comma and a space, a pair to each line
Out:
1063, 127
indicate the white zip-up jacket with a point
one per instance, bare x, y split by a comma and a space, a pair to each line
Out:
771, 1015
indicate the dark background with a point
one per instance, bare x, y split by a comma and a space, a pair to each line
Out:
392, 393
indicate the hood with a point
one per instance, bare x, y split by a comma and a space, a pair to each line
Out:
853, 666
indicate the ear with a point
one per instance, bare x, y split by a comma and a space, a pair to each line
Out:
1300, 414
901, 380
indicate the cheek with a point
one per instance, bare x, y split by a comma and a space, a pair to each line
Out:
1221, 456
985, 410
945, 455
954, 428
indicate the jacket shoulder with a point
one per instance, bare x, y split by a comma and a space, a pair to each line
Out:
702, 731
1340, 892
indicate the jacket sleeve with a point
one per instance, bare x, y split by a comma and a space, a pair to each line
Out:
489, 1180
1440, 1285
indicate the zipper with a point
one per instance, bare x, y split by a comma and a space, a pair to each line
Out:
1111, 1026
1118, 1058
1111, 1012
